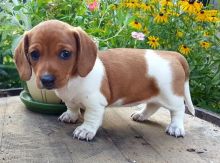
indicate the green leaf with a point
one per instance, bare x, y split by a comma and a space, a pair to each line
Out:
17, 8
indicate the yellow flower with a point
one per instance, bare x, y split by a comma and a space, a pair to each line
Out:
190, 6
182, 2
212, 12
132, 3
198, 5
184, 49
214, 19
166, 3
179, 34
145, 31
206, 34
205, 44
114, 6
212, 15
201, 16
145, 6
136, 25
153, 41
161, 18
154, 1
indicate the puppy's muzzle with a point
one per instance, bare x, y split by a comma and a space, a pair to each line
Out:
48, 81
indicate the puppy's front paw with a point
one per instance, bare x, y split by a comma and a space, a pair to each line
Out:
138, 116
175, 130
84, 133
68, 117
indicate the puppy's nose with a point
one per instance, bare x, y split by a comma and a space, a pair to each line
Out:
48, 81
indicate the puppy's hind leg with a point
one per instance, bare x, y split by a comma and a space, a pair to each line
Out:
176, 127
146, 112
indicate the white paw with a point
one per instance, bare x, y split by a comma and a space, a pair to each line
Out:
84, 133
175, 130
137, 116
68, 117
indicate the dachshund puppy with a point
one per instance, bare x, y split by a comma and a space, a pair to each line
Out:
66, 60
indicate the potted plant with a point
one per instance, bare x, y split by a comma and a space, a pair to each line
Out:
14, 20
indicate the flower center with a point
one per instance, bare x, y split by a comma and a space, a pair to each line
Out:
184, 46
135, 22
202, 12
161, 14
191, 1
153, 40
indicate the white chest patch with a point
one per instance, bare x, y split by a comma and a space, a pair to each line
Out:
81, 90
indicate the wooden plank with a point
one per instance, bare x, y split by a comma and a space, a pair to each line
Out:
3, 105
133, 146
201, 136
31, 137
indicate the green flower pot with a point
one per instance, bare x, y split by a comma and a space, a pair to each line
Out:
41, 107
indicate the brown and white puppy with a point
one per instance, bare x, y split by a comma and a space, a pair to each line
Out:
65, 59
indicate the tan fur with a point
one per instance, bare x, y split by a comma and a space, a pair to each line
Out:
21, 60
87, 52
126, 76
50, 38
180, 70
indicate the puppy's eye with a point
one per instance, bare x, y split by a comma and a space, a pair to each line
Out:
64, 54
35, 55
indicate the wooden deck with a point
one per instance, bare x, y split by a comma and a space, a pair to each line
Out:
30, 137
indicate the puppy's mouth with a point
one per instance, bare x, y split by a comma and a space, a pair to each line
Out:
49, 87
57, 85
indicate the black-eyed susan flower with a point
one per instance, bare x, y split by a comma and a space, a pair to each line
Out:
201, 16
135, 24
211, 12
198, 5
182, 2
146, 6
214, 19
153, 41
132, 4
206, 34
161, 18
184, 49
190, 6
145, 31
166, 3
205, 44
212, 15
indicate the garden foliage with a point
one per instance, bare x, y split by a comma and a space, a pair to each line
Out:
186, 26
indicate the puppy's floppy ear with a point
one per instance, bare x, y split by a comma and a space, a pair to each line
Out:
21, 59
87, 52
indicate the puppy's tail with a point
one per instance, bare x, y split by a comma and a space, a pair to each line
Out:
188, 99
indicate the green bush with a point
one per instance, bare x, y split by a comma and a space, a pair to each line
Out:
184, 26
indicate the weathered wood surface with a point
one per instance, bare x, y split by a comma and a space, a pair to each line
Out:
27, 137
